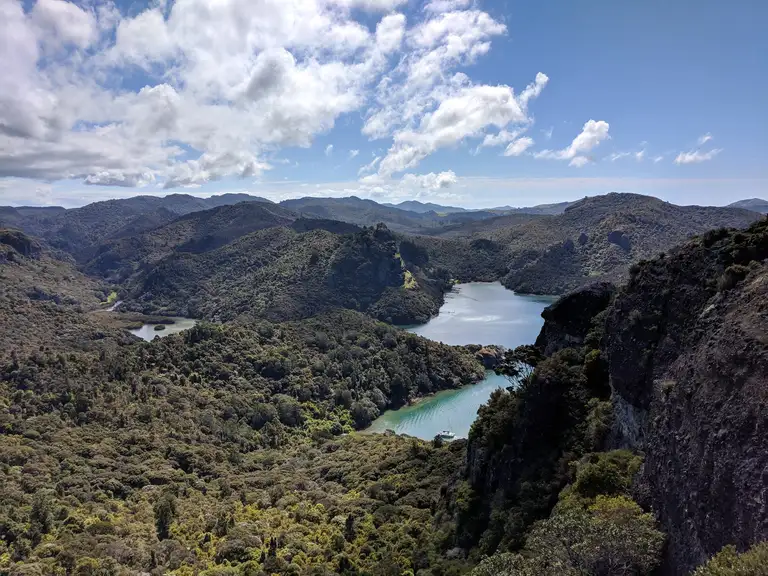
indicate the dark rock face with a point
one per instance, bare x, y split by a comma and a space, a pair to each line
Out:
688, 364
21, 243
567, 321
617, 237
583, 239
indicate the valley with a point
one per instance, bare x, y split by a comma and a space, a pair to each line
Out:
250, 437
478, 313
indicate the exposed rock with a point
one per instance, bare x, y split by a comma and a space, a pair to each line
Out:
21, 243
490, 356
567, 321
454, 553
617, 237
688, 359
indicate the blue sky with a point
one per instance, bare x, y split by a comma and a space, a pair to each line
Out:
570, 98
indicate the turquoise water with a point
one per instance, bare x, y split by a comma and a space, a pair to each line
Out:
474, 313
148, 332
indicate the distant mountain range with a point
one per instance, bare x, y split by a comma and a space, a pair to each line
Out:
423, 207
754, 204
548, 248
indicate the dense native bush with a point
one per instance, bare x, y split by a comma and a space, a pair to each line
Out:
728, 562
226, 448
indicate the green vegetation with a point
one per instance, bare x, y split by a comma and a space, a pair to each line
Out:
552, 416
226, 448
46, 302
595, 238
233, 448
612, 536
280, 275
728, 562
595, 528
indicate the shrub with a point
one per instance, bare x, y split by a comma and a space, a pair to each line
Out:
612, 536
165, 511
604, 473
732, 276
728, 562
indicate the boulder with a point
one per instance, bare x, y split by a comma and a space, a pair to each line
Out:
569, 319
620, 239
490, 356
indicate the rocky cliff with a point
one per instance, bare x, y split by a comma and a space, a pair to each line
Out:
682, 350
568, 320
687, 352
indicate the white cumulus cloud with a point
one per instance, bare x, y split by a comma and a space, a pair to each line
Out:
593, 133
696, 156
227, 84
517, 147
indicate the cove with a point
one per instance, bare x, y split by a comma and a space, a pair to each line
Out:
147, 331
473, 313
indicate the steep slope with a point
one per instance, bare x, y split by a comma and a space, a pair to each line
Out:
196, 232
282, 274
688, 357
681, 349
43, 301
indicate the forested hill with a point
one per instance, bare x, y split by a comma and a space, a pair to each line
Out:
281, 274
369, 213
46, 302
79, 231
754, 204
195, 232
231, 449
593, 239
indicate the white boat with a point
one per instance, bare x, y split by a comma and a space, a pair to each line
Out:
447, 435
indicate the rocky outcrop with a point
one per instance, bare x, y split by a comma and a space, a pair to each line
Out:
620, 239
19, 243
687, 351
569, 319
490, 356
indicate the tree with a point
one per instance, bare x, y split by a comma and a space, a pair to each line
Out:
728, 562
165, 511
518, 364
613, 537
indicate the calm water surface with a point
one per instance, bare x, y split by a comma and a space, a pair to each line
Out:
148, 332
474, 313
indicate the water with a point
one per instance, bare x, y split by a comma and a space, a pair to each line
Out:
474, 313
148, 332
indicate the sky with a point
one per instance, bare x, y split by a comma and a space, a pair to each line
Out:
473, 103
